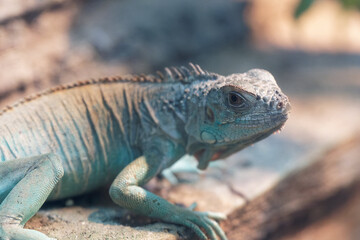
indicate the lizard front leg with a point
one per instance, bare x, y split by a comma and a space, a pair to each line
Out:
25, 184
126, 192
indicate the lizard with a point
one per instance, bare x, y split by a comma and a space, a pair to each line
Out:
123, 131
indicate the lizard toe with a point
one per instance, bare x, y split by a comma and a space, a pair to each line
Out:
11, 232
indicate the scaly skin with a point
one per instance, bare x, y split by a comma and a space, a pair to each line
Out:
125, 130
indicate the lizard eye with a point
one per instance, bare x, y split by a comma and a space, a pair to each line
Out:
235, 99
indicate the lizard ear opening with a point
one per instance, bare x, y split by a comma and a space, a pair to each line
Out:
209, 114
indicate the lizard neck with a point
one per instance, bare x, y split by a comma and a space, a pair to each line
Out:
166, 106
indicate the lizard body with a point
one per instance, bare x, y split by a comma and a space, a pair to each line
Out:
124, 130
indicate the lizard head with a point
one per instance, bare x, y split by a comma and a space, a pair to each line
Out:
235, 111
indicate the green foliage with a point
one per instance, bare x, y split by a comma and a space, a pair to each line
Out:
351, 4
304, 5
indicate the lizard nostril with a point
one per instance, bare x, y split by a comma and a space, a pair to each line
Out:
279, 105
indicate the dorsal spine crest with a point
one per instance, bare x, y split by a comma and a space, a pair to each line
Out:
181, 74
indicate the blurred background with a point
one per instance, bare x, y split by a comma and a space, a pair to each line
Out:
312, 47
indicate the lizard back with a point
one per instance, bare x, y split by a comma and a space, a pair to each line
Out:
92, 129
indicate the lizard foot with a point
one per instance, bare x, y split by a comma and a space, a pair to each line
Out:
14, 232
199, 222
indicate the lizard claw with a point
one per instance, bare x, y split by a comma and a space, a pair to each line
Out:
9, 232
192, 206
204, 224
215, 215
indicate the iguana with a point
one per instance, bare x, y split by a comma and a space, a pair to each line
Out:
73, 139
